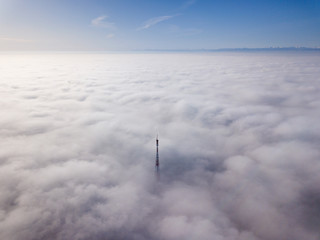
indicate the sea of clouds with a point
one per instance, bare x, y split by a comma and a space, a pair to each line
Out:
239, 146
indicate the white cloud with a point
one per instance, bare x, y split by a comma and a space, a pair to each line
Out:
101, 22
239, 146
153, 21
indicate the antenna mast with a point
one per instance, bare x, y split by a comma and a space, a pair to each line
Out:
157, 156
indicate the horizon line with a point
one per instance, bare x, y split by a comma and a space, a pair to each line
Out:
244, 49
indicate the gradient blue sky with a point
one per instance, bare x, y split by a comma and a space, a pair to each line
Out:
151, 24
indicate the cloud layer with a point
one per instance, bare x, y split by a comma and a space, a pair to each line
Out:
239, 146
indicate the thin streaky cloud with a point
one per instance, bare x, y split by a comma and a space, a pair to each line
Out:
188, 3
110, 35
153, 21
102, 23
8, 39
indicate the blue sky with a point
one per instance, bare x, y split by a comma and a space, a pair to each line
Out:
151, 24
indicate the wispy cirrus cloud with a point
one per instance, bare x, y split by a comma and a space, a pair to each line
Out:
153, 21
110, 35
8, 39
102, 22
188, 4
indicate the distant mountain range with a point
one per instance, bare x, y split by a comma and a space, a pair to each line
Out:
237, 49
